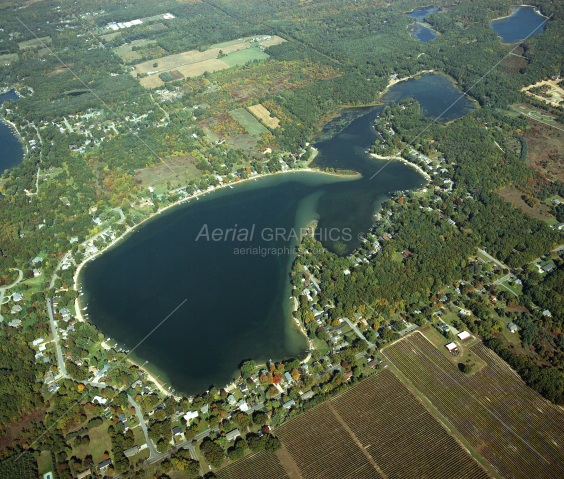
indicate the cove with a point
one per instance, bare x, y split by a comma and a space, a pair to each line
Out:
418, 30
11, 148
237, 304
522, 23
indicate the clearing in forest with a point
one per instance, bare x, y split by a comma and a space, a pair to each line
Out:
264, 115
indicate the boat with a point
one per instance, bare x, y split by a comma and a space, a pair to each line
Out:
230, 187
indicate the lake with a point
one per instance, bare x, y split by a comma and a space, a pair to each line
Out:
238, 305
519, 25
421, 32
11, 149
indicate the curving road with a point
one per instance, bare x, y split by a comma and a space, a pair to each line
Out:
155, 455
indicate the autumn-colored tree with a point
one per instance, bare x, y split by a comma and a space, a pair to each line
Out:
271, 367
295, 374
106, 455
345, 364
223, 413
80, 387
263, 378
270, 378
280, 367
277, 378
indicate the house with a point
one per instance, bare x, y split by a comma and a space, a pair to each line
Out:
372, 364
132, 451
176, 431
104, 465
287, 377
348, 375
204, 409
547, 268
99, 400
451, 347
243, 387
36, 273
84, 474
289, 404
53, 388
15, 309
231, 399
230, 436
122, 418
17, 296
406, 253
547, 313
35, 342
444, 327
306, 396
37, 259
191, 415
464, 335
512, 327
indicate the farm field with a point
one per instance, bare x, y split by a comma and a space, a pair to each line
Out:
378, 428
35, 42
515, 196
383, 414
171, 62
264, 115
249, 122
510, 425
255, 466
126, 53
194, 63
244, 56
159, 174
322, 448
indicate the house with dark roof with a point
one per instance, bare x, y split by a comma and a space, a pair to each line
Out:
176, 431
104, 465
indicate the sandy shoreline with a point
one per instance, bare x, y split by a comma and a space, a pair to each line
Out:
403, 160
514, 8
394, 81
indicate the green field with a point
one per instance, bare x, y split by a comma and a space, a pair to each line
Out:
244, 56
249, 122
35, 42
8, 58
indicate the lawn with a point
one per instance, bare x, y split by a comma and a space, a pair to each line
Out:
99, 442
44, 463
8, 58
249, 122
517, 288
243, 57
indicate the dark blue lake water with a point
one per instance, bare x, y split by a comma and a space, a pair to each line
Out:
11, 149
238, 305
418, 31
521, 24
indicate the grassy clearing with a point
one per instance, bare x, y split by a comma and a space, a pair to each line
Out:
44, 463
99, 443
8, 58
34, 42
249, 122
243, 57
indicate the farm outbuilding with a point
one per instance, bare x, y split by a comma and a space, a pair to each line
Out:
451, 347
464, 335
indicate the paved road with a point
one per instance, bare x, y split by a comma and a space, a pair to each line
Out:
60, 358
155, 455
497, 262
357, 331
